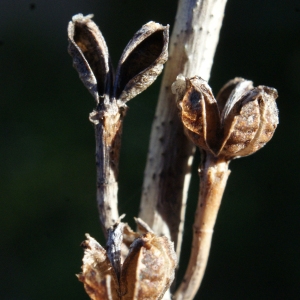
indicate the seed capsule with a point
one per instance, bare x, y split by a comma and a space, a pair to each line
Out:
240, 122
147, 271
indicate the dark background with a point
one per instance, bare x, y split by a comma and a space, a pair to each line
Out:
47, 149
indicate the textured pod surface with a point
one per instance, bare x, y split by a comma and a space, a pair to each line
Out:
265, 99
90, 55
142, 61
240, 117
241, 128
149, 269
146, 271
241, 121
200, 113
98, 276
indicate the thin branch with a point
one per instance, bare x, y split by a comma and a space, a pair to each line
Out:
108, 142
140, 64
213, 177
167, 175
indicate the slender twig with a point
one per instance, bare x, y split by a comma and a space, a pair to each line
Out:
140, 64
213, 177
167, 175
108, 141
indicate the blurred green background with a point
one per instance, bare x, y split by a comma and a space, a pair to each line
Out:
47, 149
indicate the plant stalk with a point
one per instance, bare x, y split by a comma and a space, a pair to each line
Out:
214, 173
167, 174
108, 142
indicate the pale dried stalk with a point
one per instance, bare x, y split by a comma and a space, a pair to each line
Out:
108, 143
167, 174
213, 177
239, 122
140, 64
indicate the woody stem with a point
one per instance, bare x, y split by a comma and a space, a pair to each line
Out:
214, 173
167, 175
108, 142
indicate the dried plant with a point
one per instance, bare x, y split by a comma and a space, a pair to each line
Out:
144, 271
238, 122
141, 62
135, 265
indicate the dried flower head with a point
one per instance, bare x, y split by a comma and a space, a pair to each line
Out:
239, 122
140, 64
144, 271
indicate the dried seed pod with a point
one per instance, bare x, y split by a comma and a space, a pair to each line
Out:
226, 90
90, 55
129, 236
200, 114
238, 123
98, 276
234, 117
148, 270
142, 61
140, 64
254, 122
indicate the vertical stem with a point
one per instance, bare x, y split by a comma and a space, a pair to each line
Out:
167, 174
213, 177
108, 142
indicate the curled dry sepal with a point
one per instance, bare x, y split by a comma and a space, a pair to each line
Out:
143, 270
240, 121
140, 64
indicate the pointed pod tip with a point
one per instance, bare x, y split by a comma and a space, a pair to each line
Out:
179, 87
81, 18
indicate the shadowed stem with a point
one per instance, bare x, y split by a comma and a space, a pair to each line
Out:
214, 173
108, 143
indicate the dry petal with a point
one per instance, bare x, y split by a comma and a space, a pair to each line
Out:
142, 226
142, 61
90, 55
227, 89
199, 112
98, 276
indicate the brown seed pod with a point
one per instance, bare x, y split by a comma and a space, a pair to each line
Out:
140, 64
147, 272
200, 113
98, 275
142, 61
241, 121
149, 268
90, 55
254, 124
